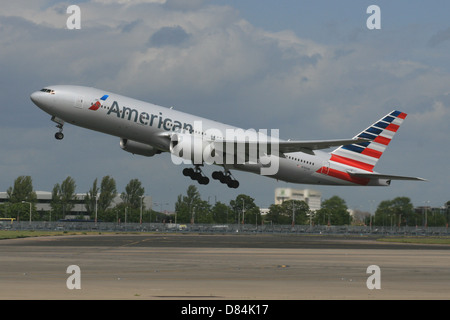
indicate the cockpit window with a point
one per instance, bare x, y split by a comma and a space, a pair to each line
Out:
48, 91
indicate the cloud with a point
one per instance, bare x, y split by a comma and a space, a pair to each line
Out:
208, 60
185, 5
439, 37
168, 36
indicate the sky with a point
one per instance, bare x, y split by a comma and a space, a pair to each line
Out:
311, 69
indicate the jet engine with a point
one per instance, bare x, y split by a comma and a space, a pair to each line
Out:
138, 148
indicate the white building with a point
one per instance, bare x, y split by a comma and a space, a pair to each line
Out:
312, 197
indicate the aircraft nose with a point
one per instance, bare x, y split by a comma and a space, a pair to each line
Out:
43, 100
35, 97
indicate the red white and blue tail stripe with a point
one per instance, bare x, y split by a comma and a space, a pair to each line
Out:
366, 154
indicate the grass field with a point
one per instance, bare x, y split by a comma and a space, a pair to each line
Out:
420, 240
14, 234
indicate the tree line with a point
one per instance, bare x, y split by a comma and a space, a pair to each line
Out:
191, 208
98, 199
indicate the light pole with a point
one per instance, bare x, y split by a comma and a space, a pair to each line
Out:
30, 208
96, 198
293, 213
140, 217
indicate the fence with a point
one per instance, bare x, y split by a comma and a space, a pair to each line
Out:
221, 228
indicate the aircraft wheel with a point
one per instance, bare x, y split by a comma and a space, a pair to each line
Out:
59, 136
217, 175
234, 184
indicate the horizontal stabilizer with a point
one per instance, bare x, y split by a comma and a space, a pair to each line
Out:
382, 176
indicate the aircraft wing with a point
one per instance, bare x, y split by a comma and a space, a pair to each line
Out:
383, 176
282, 147
308, 146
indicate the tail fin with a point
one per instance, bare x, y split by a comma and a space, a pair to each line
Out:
366, 154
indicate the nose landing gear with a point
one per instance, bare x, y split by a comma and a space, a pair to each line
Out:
59, 124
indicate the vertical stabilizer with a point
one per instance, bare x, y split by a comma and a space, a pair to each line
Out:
366, 154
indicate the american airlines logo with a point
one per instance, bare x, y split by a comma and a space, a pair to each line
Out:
97, 104
143, 118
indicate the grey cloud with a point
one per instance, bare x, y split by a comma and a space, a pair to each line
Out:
168, 36
439, 37
130, 26
184, 5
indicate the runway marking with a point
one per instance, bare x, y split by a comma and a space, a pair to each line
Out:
135, 242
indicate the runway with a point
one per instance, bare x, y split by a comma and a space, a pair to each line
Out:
222, 267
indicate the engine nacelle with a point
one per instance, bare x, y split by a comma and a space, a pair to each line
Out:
138, 148
192, 148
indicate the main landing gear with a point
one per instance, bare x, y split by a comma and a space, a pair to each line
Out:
59, 124
196, 174
224, 177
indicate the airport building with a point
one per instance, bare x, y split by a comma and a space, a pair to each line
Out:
44, 199
312, 197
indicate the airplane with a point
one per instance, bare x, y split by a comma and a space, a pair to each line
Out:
147, 129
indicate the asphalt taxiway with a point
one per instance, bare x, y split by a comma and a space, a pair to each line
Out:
229, 266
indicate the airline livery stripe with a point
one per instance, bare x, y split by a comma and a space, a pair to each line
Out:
351, 162
377, 146
382, 140
364, 155
399, 114
392, 127
353, 148
344, 176
381, 125
388, 134
372, 153
365, 151
357, 156
374, 130
366, 136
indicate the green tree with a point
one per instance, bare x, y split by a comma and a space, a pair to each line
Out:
245, 204
63, 198
185, 205
133, 194
102, 198
396, 212
19, 196
333, 211
300, 209
22, 190
282, 213
132, 198
90, 198
221, 212
108, 192
276, 215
